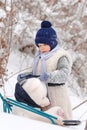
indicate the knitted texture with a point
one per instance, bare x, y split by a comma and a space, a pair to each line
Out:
46, 35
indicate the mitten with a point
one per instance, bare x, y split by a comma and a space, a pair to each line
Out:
23, 76
44, 77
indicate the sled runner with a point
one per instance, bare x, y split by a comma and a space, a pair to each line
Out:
8, 103
71, 122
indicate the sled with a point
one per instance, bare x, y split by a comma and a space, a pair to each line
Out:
8, 103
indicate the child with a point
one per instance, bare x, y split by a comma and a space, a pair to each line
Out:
53, 65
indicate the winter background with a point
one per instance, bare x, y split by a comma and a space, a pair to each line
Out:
19, 21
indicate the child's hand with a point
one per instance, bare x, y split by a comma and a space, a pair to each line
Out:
24, 76
60, 121
44, 77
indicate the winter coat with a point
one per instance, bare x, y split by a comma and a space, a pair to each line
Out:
59, 67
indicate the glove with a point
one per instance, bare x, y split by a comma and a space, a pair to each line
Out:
44, 77
23, 76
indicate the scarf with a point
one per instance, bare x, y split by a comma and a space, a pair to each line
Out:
43, 57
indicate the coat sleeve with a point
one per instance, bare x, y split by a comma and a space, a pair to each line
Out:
61, 74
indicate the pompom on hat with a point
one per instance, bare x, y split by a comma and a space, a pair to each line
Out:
46, 35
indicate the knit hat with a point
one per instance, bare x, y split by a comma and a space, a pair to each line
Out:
46, 35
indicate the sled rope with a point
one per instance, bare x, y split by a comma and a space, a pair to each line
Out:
8, 103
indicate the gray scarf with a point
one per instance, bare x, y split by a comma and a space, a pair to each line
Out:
43, 57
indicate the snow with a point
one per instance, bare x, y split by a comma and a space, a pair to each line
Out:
8, 8
2, 25
2, 13
17, 123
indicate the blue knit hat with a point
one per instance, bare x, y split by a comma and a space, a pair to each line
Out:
46, 35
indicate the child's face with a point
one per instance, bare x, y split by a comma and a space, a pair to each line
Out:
44, 48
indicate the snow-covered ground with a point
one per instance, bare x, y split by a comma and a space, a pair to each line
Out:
18, 62
11, 122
